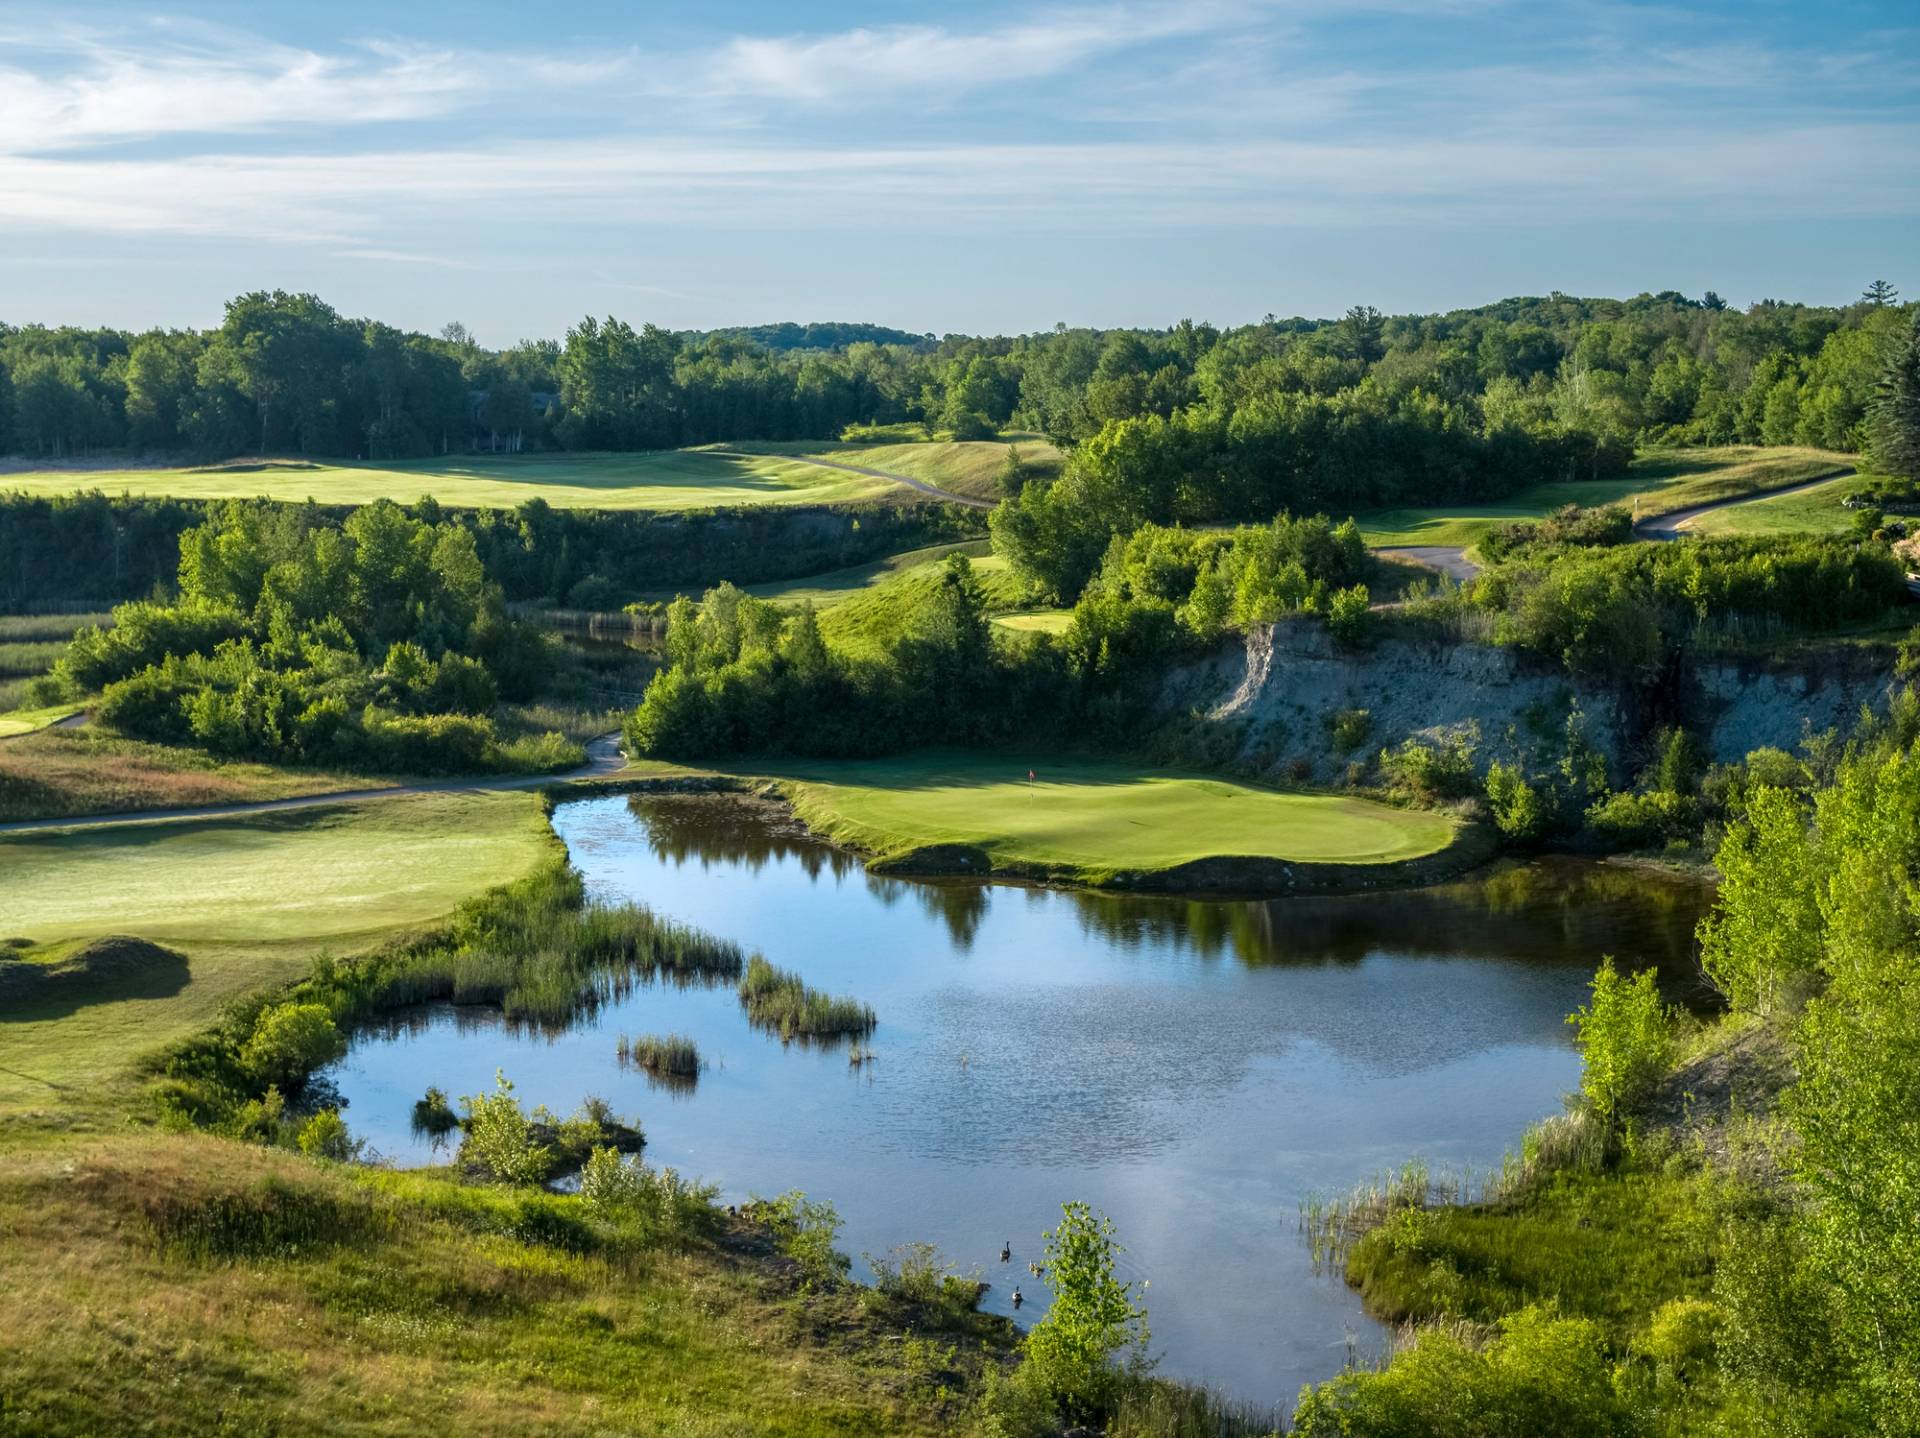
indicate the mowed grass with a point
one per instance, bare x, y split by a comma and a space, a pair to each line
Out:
26, 721
1658, 482
1812, 511
1092, 817
967, 467
825, 590
663, 480
248, 900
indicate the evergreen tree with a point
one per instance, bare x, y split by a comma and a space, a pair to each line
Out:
1894, 419
1879, 294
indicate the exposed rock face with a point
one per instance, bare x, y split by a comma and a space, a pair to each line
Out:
1282, 689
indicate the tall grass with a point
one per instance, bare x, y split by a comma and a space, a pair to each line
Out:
666, 1056
778, 1001
536, 950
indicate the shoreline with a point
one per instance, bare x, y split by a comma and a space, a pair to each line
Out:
1225, 877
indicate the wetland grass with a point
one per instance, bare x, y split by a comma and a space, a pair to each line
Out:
778, 1001
671, 1056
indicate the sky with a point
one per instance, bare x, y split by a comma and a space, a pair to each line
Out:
945, 168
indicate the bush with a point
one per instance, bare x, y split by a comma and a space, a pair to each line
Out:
806, 1229
626, 1190
1350, 616
1094, 1319
1683, 1334
1625, 1035
1644, 820
1431, 772
325, 1136
433, 1116
1350, 728
1516, 806
290, 1041
500, 1137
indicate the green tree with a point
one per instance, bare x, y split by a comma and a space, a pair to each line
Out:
1625, 1035
1879, 294
1893, 421
500, 1138
1094, 1321
290, 1041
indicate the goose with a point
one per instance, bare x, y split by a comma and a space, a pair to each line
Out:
1017, 1299
1006, 1250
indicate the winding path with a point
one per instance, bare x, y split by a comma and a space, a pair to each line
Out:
1655, 528
1672, 526
603, 758
920, 484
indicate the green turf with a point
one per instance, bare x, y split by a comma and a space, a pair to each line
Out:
665, 480
1038, 621
26, 721
968, 467
1658, 482
1812, 511
249, 900
869, 621
1093, 817
823, 590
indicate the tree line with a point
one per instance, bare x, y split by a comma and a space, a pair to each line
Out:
287, 373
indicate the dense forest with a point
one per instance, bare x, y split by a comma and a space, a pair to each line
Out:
286, 373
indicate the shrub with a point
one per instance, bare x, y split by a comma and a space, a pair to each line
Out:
325, 1136
1094, 1318
1683, 1334
290, 1041
1517, 808
433, 1116
1431, 771
500, 1137
1644, 820
1350, 616
626, 1190
1350, 728
1625, 1035
806, 1229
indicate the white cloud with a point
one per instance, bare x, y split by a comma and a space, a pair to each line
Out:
109, 86
937, 63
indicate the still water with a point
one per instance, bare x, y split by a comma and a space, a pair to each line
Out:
1194, 1069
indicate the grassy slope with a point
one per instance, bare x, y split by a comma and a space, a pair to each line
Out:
62, 773
674, 479
407, 1304
248, 900
1660, 481
867, 621
1092, 816
824, 590
1813, 511
967, 467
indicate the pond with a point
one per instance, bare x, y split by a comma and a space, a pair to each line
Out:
1193, 1069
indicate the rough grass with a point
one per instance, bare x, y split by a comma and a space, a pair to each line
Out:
1658, 482
823, 591
248, 900
872, 620
64, 773
778, 1001
668, 1055
184, 1285
666, 480
1092, 816
1037, 621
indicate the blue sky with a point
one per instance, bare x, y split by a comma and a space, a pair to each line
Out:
972, 168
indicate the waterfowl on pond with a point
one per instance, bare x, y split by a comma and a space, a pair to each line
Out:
1017, 1299
1038, 1270
1006, 1250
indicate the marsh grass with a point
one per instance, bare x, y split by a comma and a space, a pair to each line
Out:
778, 1001
662, 1055
538, 951
433, 1115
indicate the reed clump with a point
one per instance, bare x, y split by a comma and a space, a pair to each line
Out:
778, 1001
664, 1055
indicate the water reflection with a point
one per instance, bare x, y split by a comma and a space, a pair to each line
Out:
1193, 1068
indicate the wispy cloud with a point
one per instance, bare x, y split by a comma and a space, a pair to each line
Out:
68, 86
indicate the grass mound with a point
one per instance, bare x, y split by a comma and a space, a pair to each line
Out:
115, 967
668, 1056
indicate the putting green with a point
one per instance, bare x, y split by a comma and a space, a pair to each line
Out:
248, 900
1094, 818
664, 480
